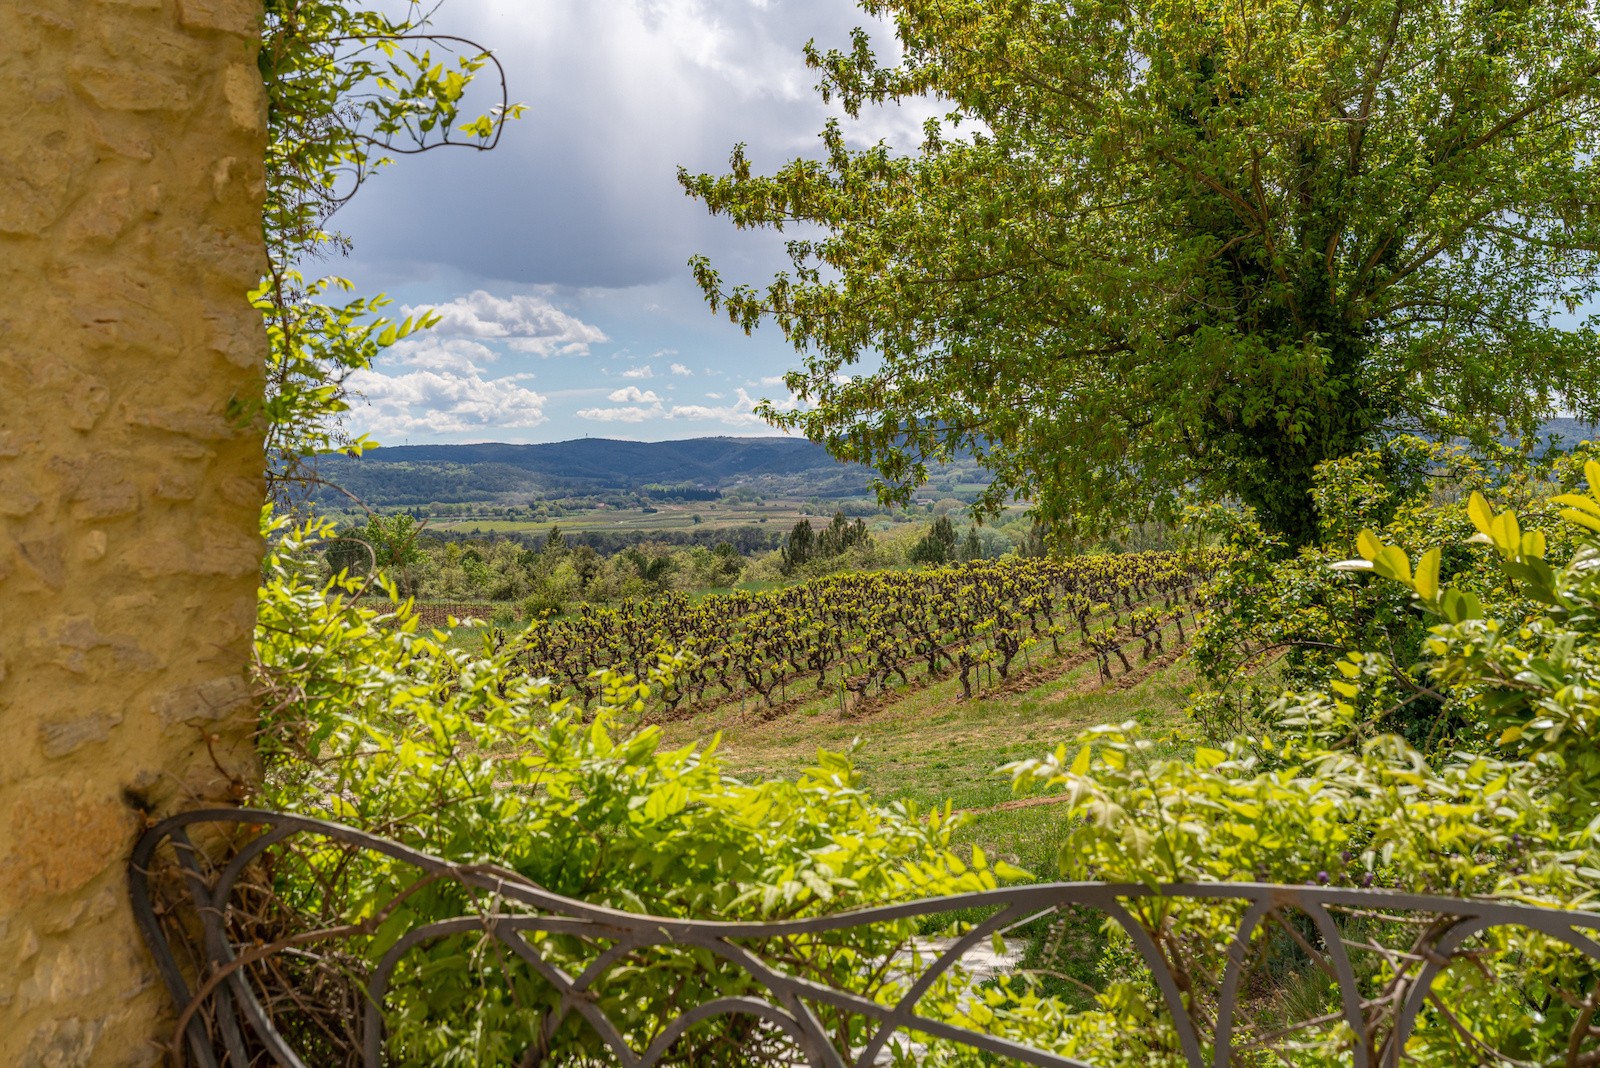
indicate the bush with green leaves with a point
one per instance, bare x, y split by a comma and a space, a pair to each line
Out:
1281, 620
1509, 808
938, 545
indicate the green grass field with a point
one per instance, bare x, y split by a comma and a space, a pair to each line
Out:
930, 746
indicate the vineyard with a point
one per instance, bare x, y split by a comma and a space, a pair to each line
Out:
439, 614
858, 636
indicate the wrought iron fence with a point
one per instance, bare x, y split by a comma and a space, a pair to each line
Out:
1377, 953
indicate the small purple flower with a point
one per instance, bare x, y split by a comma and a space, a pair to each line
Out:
1322, 878
1366, 880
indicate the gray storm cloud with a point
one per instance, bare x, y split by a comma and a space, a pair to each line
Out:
581, 192
570, 240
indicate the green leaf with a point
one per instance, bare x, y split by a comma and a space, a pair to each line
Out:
1458, 607
1010, 872
1480, 513
1427, 578
1582, 519
1507, 534
1080, 763
1579, 501
1391, 562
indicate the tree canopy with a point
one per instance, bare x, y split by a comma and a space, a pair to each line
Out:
1158, 246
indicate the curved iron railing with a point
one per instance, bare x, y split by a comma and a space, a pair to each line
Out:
223, 1021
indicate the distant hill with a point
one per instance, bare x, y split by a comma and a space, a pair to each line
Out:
404, 475
622, 464
408, 475
1571, 431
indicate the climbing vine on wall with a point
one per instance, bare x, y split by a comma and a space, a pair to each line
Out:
348, 90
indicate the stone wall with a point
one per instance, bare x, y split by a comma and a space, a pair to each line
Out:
130, 232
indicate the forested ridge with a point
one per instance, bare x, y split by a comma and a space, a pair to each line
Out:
419, 474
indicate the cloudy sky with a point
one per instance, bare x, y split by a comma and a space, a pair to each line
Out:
558, 261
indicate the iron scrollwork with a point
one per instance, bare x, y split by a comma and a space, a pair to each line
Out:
227, 1018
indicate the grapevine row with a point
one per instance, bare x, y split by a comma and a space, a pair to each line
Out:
853, 634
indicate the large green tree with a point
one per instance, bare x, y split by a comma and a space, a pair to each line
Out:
1166, 245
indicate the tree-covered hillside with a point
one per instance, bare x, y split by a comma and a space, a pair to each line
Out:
419, 474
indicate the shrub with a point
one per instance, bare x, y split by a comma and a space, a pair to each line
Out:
938, 545
1297, 614
1509, 806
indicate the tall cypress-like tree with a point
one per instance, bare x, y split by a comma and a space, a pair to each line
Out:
799, 547
1160, 246
938, 545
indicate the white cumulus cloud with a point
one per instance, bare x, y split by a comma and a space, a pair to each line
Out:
647, 406
631, 414
680, 369
451, 355
739, 413
526, 322
639, 372
438, 385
